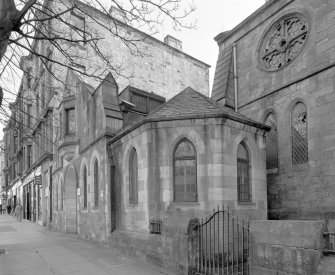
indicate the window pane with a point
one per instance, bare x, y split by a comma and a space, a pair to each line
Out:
299, 134
185, 181
272, 143
85, 187
243, 182
70, 121
133, 177
96, 184
185, 149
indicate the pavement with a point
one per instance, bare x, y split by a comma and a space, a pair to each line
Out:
33, 250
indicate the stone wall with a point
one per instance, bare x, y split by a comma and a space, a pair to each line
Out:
286, 247
294, 191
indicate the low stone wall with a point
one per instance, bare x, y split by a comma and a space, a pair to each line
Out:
168, 252
286, 247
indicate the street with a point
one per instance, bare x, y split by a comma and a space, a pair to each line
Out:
34, 250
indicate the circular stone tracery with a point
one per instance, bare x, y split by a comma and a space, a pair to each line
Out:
283, 42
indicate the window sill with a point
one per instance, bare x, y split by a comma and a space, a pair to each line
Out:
300, 167
272, 171
246, 203
187, 204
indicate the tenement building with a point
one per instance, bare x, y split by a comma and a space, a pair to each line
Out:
277, 67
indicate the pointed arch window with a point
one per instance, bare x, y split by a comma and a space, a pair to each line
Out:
85, 187
185, 172
96, 183
133, 177
299, 134
243, 174
271, 143
61, 191
56, 195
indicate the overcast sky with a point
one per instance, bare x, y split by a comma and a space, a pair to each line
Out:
213, 17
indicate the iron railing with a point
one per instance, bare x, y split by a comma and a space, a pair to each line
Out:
222, 244
155, 226
329, 242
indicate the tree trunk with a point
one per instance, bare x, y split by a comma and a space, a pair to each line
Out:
8, 15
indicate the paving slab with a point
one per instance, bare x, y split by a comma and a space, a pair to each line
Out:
33, 250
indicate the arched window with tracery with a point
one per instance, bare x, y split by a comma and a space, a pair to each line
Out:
299, 134
185, 172
85, 187
243, 174
271, 143
133, 177
96, 183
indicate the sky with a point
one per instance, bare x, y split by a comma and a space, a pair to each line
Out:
213, 17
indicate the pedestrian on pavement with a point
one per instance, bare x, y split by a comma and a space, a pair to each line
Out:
0, 209
18, 212
8, 209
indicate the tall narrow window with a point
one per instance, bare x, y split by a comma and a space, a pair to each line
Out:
299, 134
29, 156
243, 179
185, 172
271, 143
61, 195
133, 177
70, 121
79, 26
29, 116
85, 187
96, 184
56, 196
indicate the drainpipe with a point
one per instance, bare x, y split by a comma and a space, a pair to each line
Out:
235, 75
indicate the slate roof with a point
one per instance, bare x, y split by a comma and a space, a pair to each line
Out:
190, 104
223, 85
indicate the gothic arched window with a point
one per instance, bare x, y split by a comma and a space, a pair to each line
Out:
133, 177
243, 174
61, 191
299, 134
271, 143
56, 195
185, 172
85, 187
96, 183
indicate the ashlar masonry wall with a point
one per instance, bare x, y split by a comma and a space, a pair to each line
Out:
294, 191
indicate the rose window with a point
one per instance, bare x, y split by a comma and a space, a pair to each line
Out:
283, 42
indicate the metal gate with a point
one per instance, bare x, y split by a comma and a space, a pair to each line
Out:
222, 244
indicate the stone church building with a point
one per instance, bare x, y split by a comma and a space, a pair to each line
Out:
133, 163
282, 60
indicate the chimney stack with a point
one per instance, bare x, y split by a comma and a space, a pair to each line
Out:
173, 42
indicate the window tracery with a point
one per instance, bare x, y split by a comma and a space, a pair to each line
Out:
283, 42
